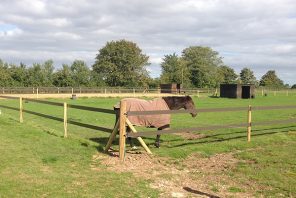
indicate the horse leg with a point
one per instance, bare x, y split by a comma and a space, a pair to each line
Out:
130, 140
157, 141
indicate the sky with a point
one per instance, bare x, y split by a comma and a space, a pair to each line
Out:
258, 34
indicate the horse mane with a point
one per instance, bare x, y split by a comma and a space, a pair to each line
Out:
176, 102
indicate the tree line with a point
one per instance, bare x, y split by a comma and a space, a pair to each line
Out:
123, 64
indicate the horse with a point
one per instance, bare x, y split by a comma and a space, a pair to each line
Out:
162, 121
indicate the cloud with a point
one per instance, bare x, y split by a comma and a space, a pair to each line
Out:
257, 34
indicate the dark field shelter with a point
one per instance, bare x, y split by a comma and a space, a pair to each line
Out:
170, 88
237, 91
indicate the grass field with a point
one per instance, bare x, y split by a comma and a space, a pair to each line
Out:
37, 162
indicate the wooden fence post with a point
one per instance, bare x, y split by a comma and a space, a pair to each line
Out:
122, 130
21, 110
37, 92
249, 122
65, 120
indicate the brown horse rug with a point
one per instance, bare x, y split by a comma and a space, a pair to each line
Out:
157, 121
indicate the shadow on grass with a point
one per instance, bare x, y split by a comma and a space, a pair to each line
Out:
227, 139
197, 192
89, 126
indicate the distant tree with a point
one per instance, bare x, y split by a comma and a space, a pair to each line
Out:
247, 76
202, 63
41, 74
63, 77
121, 63
174, 70
5, 77
227, 74
293, 86
154, 83
270, 79
19, 75
80, 73
35, 75
47, 73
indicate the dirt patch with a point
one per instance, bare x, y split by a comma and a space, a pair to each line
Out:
194, 176
191, 136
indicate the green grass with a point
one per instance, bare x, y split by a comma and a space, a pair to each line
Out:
36, 161
37, 164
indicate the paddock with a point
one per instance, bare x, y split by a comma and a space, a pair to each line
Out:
245, 111
208, 151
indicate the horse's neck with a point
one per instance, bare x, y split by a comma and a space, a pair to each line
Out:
174, 103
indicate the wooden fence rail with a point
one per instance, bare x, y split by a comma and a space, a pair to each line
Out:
65, 115
124, 114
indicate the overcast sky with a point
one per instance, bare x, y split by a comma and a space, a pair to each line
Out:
259, 34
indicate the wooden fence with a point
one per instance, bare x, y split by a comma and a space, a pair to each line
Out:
98, 90
65, 115
123, 120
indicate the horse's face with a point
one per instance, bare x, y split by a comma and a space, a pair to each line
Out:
189, 104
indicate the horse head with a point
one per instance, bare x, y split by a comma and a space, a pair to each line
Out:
184, 102
189, 104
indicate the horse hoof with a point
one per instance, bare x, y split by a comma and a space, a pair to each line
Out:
134, 148
157, 145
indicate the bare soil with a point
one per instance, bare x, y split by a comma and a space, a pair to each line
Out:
190, 135
194, 176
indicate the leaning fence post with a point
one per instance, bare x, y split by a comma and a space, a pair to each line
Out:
249, 122
21, 110
65, 120
122, 129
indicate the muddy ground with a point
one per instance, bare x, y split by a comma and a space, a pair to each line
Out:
195, 176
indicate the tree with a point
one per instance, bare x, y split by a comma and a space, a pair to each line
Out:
270, 79
47, 73
247, 76
5, 78
19, 75
121, 63
80, 73
202, 63
63, 77
227, 74
293, 86
174, 70
41, 74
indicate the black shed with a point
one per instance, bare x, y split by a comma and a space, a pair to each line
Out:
170, 88
237, 91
